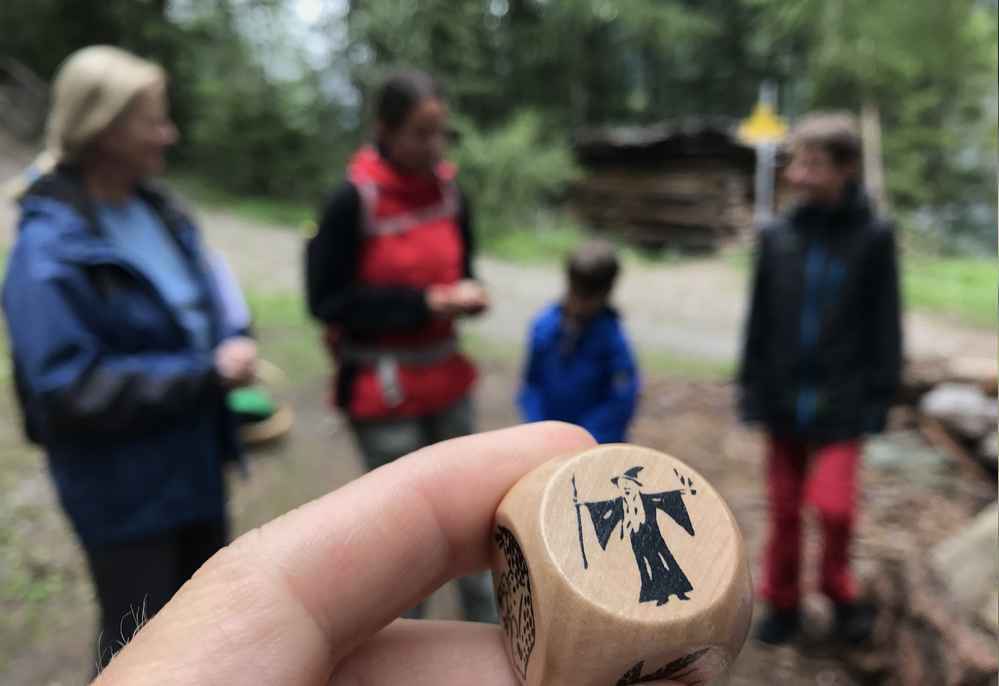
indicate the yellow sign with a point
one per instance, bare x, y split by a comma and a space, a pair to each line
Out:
763, 126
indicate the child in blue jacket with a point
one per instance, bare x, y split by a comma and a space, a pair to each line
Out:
580, 367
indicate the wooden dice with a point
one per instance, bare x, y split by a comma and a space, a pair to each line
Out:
620, 565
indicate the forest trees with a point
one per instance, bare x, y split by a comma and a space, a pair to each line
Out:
271, 106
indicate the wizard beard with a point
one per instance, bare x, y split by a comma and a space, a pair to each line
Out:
634, 511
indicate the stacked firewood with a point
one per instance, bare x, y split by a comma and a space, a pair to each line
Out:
937, 604
698, 208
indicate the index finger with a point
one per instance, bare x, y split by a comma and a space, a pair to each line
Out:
284, 603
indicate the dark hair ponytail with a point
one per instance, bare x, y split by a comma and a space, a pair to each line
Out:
401, 92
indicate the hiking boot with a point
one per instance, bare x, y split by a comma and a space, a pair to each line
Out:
779, 626
854, 622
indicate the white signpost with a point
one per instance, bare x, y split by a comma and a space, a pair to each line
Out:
764, 130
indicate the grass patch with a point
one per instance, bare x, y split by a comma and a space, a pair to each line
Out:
549, 240
960, 287
287, 336
279, 212
652, 363
551, 237
487, 349
663, 363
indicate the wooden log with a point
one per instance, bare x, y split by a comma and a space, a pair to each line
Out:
937, 435
921, 637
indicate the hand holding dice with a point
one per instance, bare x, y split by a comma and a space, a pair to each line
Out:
619, 565
634, 610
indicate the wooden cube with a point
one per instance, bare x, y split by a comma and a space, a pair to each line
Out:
620, 565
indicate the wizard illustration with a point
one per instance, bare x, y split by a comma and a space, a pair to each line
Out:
636, 513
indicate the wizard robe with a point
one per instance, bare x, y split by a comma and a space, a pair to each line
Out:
661, 574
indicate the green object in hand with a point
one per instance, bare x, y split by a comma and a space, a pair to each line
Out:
252, 401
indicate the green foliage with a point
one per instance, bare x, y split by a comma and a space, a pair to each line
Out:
930, 67
274, 156
510, 171
256, 134
448, 38
549, 239
42, 33
577, 61
249, 129
273, 211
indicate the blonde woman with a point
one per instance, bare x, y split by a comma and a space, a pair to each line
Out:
122, 354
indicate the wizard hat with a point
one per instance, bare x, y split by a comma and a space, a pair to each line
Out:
631, 475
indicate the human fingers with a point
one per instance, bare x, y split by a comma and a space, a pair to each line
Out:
286, 602
423, 653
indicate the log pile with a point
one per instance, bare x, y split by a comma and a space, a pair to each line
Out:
684, 186
938, 619
922, 637
689, 210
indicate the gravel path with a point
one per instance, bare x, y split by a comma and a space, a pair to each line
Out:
692, 309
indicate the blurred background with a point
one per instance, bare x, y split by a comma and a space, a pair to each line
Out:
573, 117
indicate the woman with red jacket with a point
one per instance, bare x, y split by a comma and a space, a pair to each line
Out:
389, 272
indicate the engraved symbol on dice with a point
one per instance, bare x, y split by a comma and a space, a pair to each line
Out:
516, 604
635, 512
677, 669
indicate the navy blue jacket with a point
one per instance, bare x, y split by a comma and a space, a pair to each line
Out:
589, 378
823, 348
132, 417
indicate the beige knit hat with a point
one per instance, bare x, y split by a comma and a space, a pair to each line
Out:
92, 87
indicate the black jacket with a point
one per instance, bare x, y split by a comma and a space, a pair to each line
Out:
823, 345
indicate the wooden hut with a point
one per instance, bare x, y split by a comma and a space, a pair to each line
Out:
679, 185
